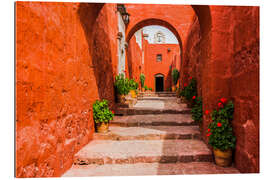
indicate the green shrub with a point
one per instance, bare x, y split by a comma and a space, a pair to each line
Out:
175, 76
197, 112
189, 90
102, 112
142, 79
147, 88
133, 85
122, 84
220, 131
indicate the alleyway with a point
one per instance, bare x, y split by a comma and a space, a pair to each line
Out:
79, 64
159, 138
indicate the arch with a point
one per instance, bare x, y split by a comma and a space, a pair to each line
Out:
159, 75
204, 16
159, 82
154, 21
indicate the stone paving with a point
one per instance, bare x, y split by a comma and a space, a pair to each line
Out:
154, 120
148, 169
150, 133
156, 143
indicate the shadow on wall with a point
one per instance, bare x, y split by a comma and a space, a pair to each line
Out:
95, 29
129, 62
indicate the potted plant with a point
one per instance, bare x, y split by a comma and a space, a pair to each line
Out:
122, 87
133, 86
102, 115
175, 77
142, 79
220, 133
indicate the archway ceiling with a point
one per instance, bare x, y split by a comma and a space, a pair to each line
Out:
180, 17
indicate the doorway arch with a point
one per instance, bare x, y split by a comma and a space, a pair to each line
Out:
159, 82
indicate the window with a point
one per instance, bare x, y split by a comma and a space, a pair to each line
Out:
159, 57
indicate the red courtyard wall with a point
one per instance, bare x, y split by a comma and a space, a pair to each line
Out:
58, 79
66, 58
134, 60
170, 60
151, 67
230, 69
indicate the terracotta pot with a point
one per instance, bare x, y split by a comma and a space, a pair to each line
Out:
173, 89
142, 89
102, 127
223, 158
133, 93
121, 98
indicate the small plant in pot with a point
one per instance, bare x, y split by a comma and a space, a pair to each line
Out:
122, 87
102, 116
142, 79
175, 77
220, 133
133, 86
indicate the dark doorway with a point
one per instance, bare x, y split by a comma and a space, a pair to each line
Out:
159, 82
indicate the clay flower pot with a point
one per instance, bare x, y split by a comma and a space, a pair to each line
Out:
143, 89
173, 88
133, 93
223, 158
102, 127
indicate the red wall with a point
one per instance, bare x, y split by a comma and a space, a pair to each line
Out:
134, 59
66, 58
58, 80
225, 62
152, 67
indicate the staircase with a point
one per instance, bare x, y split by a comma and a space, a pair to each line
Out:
155, 137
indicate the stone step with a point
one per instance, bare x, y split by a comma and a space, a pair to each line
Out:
157, 94
159, 98
142, 169
142, 111
141, 151
149, 133
153, 120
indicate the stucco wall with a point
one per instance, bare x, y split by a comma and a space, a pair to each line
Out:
229, 68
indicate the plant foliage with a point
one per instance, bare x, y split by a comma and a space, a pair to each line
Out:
220, 131
147, 88
175, 76
197, 112
142, 79
122, 84
190, 90
133, 85
101, 112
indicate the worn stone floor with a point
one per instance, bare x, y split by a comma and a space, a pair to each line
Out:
164, 140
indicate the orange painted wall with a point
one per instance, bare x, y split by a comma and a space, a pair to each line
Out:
58, 78
134, 60
66, 58
169, 59
151, 67
225, 61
